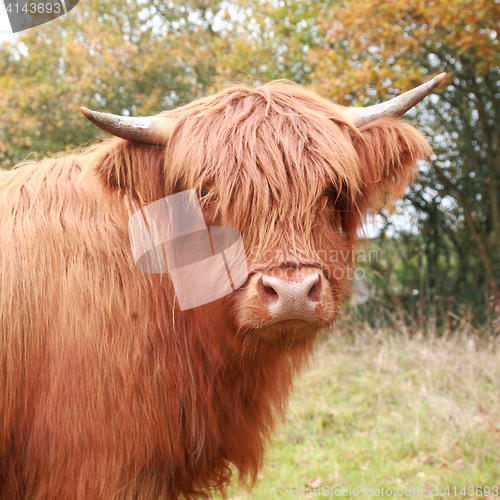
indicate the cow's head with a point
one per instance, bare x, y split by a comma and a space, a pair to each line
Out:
295, 174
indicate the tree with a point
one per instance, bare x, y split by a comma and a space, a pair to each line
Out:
119, 56
270, 40
368, 58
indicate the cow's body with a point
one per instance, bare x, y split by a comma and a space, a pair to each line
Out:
109, 391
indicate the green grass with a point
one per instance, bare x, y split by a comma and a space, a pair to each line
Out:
381, 409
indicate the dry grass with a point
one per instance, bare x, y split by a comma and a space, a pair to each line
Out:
388, 409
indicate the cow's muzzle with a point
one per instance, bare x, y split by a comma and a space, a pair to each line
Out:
290, 294
286, 302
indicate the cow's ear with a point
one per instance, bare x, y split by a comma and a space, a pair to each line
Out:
388, 150
133, 167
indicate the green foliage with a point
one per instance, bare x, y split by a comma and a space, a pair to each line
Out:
271, 40
403, 284
119, 56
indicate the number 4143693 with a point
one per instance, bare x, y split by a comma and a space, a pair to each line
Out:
472, 491
34, 8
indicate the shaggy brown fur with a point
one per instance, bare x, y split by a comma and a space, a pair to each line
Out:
109, 391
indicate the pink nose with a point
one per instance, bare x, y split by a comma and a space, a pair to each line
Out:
292, 294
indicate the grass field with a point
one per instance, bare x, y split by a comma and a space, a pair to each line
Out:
393, 410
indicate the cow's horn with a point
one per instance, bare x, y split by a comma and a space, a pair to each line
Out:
147, 130
395, 107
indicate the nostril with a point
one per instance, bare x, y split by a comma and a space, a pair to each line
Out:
270, 290
315, 291
266, 292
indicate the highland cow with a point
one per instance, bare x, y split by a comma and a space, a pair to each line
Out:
108, 389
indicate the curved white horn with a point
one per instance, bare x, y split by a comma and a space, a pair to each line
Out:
395, 107
146, 130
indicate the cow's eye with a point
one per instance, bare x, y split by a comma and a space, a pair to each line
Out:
330, 192
207, 195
